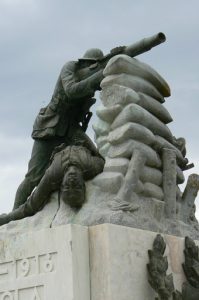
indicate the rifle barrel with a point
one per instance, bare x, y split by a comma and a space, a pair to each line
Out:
145, 44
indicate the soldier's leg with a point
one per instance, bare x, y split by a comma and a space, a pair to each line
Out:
50, 182
41, 153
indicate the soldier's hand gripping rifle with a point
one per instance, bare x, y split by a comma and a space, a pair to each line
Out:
133, 50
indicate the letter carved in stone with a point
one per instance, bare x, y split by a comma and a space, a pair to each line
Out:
7, 296
36, 295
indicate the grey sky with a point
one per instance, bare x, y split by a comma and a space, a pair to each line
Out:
39, 36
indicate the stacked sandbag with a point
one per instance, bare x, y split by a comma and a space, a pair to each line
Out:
133, 117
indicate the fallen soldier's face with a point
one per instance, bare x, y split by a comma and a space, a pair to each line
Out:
73, 187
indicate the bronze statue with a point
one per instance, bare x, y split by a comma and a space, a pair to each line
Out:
162, 283
70, 167
55, 124
68, 109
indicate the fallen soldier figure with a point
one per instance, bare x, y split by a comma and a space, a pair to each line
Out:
69, 170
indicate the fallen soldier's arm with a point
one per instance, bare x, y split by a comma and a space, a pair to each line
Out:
89, 165
37, 200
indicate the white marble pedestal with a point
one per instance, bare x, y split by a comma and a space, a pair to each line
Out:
50, 264
72, 262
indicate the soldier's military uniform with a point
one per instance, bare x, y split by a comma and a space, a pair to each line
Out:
56, 123
83, 155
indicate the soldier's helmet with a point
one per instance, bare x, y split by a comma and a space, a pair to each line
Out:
92, 54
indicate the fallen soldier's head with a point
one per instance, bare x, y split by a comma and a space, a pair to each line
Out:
73, 187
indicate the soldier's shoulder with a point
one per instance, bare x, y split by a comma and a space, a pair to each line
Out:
70, 65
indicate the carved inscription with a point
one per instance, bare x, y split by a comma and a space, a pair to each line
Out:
29, 266
31, 293
25, 269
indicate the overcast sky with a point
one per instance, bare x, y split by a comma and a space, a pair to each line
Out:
39, 36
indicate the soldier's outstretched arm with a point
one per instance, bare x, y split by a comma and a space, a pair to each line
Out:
74, 88
37, 199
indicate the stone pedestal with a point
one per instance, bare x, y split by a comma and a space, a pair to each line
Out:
118, 258
72, 262
47, 264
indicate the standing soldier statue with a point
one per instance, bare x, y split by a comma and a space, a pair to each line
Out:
68, 110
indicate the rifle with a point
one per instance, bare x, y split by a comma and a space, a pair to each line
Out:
138, 48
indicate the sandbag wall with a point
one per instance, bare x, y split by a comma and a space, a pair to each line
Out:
133, 117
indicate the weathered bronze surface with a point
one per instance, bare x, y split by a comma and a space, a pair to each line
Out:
157, 268
56, 123
70, 167
162, 283
69, 108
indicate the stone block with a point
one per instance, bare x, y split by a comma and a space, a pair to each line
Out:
45, 264
119, 165
126, 150
136, 114
151, 175
108, 114
109, 181
135, 83
101, 128
153, 191
103, 262
101, 141
128, 65
118, 258
124, 96
131, 130
180, 175
161, 143
154, 107
104, 149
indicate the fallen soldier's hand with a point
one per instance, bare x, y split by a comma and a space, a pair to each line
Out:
3, 219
